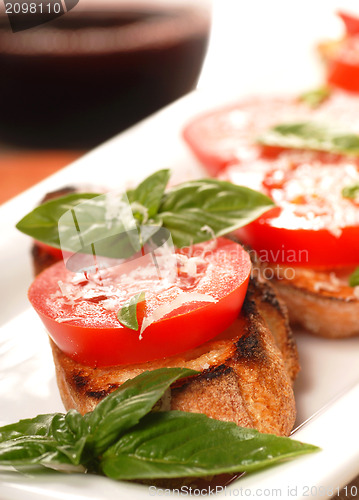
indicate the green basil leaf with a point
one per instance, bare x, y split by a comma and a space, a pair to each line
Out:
189, 209
71, 433
127, 315
124, 408
179, 444
67, 433
149, 192
311, 135
28, 450
42, 223
351, 192
315, 97
184, 210
354, 278
85, 228
37, 426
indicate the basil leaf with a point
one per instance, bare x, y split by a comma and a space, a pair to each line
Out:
311, 135
42, 222
179, 444
351, 192
184, 211
124, 408
84, 226
65, 433
187, 210
28, 450
127, 315
71, 433
315, 97
354, 278
149, 192
38, 426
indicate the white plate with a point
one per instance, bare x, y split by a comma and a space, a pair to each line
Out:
327, 390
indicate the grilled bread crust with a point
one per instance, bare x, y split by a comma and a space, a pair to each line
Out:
320, 301
246, 372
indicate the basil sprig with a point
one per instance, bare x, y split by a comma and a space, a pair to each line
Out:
124, 438
150, 191
354, 278
311, 135
184, 210
315, 97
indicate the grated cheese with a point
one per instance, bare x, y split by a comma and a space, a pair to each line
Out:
183, 298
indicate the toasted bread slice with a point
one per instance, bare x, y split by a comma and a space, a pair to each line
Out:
321, 301
246, 372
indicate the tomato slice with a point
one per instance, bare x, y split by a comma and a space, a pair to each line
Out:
343, 65
306, 185
342, 56
200, 300
350, 21
313, 224
227, 136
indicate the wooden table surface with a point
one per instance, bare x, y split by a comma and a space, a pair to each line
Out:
21, 170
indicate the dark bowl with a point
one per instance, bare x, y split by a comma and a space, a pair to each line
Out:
85, 76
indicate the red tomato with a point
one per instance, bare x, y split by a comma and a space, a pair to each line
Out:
227, 135
313, 224
80, 314
304, 184
343, 65
342, 57
351, 23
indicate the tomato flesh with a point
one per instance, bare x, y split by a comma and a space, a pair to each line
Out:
313, 225
81, 314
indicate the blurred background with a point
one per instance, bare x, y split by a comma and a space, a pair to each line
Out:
72, 83
69, 84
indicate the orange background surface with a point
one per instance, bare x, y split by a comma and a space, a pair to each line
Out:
21, 170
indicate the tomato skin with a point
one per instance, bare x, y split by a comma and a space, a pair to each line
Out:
301, 247
116, 345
